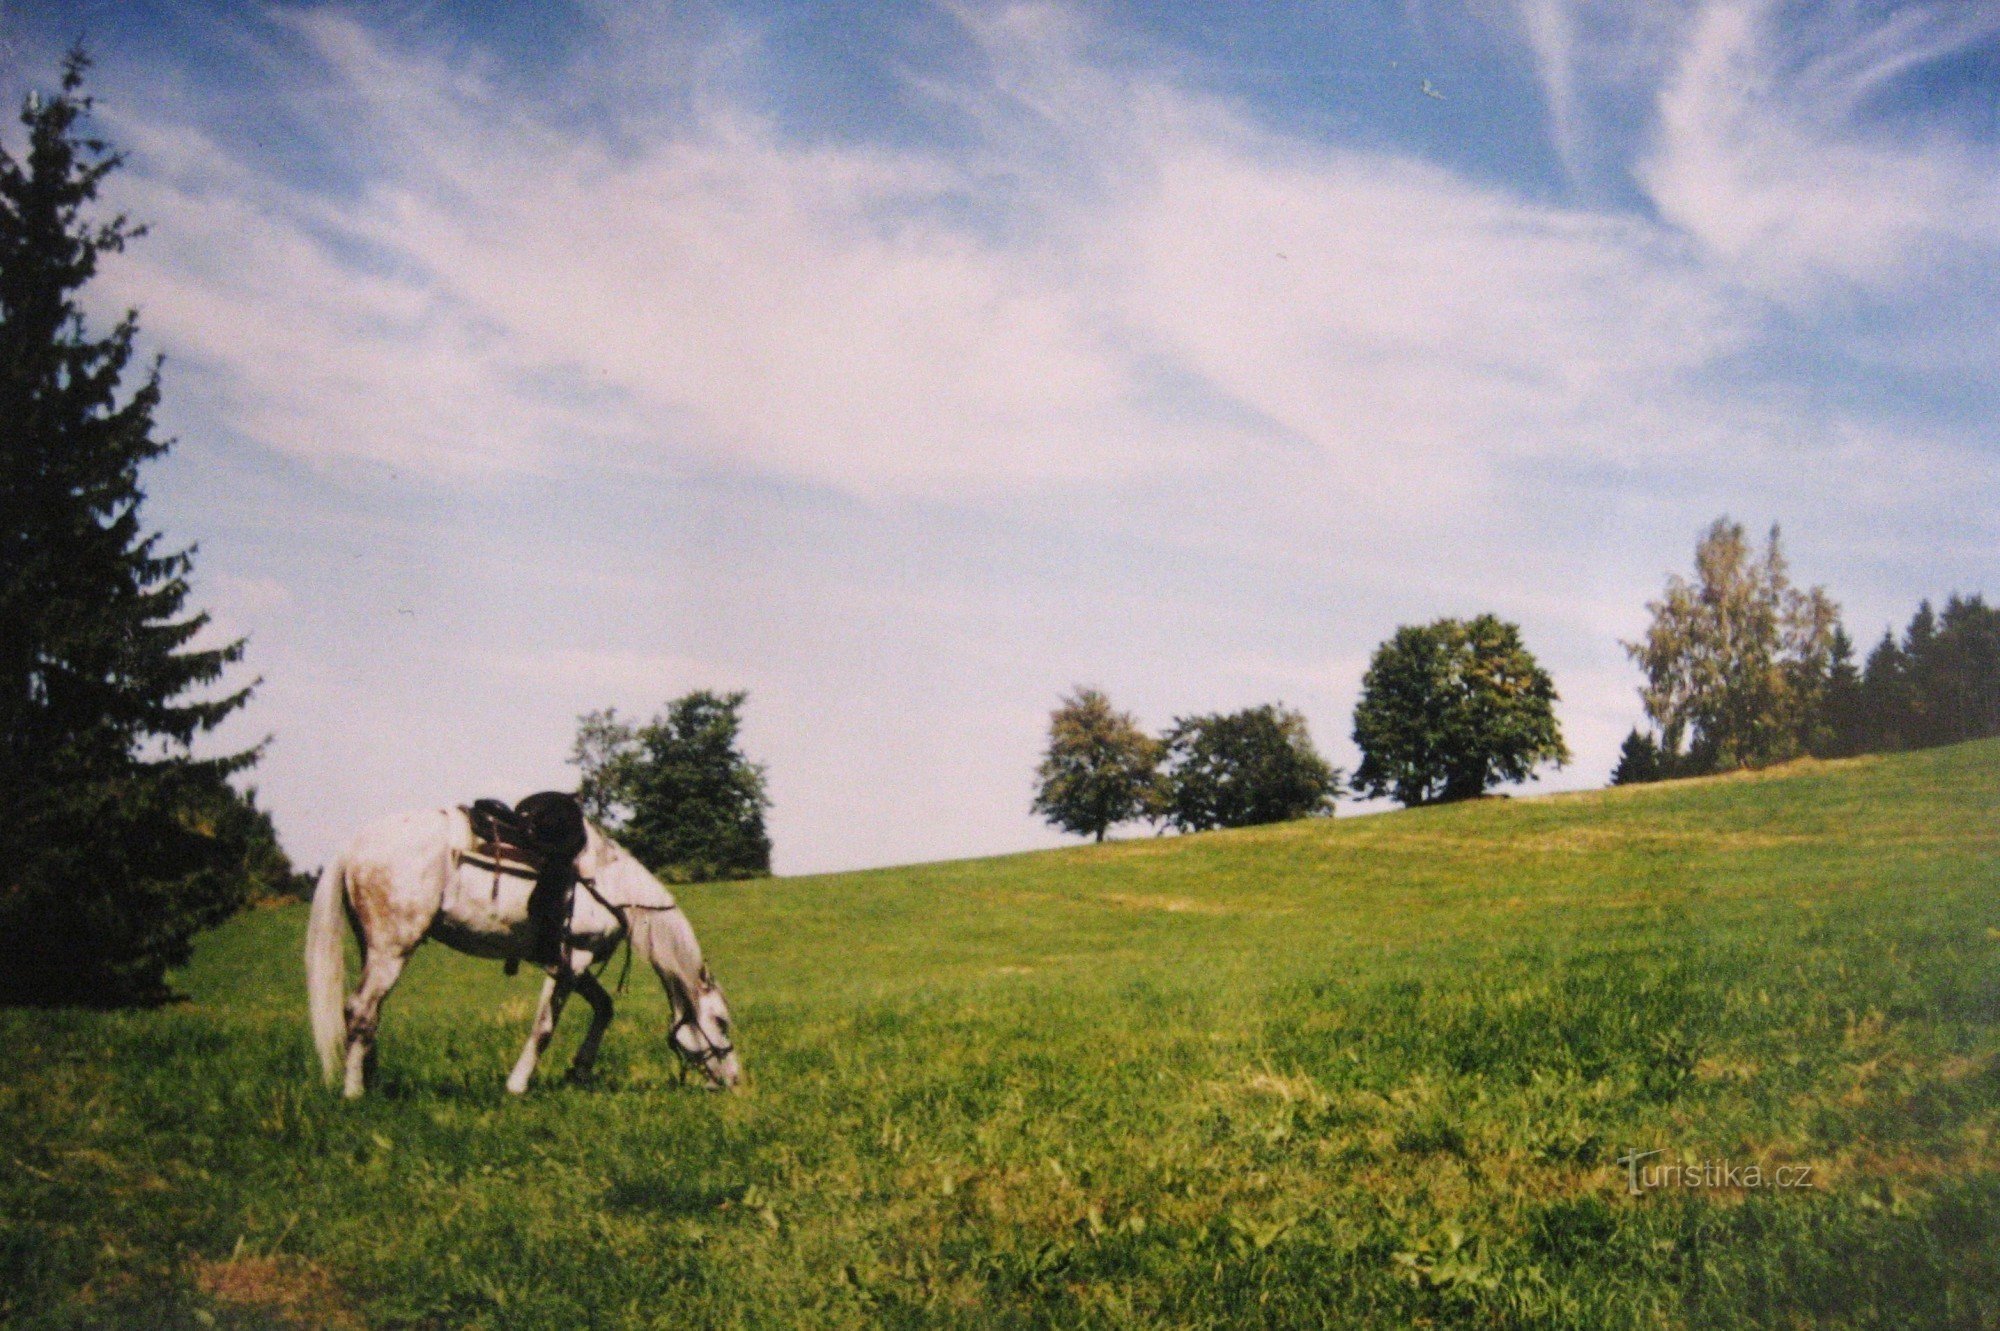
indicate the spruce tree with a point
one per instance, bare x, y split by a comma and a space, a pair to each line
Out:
116, 844
1886, 698
1967, 692
1638, 760
1840, 730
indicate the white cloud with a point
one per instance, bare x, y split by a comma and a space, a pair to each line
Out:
1762, 153
1304, 392
507, 296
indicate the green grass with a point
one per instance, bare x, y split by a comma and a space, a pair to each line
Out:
1373, 1072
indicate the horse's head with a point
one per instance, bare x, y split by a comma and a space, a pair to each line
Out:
702, 1031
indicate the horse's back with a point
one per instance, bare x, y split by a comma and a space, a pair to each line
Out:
396, 867
402, 837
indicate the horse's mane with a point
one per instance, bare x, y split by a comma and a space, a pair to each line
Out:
620, 877
659, 930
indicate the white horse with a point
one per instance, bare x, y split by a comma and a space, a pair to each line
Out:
421, 876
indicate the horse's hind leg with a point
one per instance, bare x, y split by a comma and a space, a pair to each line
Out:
600, 1017
364, 1014
555, 992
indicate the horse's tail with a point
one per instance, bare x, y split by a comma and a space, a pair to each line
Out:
326, 968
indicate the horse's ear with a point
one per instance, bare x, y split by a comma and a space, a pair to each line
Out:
707, 980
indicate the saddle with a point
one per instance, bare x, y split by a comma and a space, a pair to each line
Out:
545, 833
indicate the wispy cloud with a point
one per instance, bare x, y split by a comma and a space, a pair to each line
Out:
1179, 395
1182, 288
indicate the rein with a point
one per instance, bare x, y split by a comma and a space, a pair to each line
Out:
685, 1017
625, 926
710, 1052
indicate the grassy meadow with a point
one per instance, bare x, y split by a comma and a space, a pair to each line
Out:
1369, 1072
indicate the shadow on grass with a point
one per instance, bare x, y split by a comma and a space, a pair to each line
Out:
670, 1197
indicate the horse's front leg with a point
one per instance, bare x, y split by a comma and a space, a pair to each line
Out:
600, 1017
555, 992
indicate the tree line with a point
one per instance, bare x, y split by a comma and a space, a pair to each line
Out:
1448, 710
1741, 667
1744, 669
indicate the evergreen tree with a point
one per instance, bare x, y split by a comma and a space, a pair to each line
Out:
1100, 769
1246, 768
1965, 696
1452, 708
1841, 729
1638, 761
1885, 703
677, 791
118, 844
1940, 685
1918, 722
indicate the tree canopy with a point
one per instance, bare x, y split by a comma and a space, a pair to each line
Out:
678, 791
1939, 685
118, 844
1240, 769
1451, 708
1099, 770
1738, 662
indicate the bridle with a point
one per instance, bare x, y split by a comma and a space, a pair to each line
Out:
710, 1053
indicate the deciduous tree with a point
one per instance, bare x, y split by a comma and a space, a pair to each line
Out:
1451, 708
678, 791
1736, 661
1240, 769
1100, 769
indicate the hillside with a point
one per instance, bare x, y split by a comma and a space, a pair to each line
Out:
1366, 1072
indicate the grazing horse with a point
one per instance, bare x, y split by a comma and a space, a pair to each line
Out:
423, 875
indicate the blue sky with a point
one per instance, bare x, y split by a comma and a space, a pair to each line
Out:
908, 364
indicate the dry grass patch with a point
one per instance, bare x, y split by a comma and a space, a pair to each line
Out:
286, 1291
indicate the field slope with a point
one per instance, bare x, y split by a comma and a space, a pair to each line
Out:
1370, 1072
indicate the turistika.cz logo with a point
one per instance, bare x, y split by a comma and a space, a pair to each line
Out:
1641, 1177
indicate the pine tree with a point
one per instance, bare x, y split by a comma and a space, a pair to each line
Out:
117, 844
